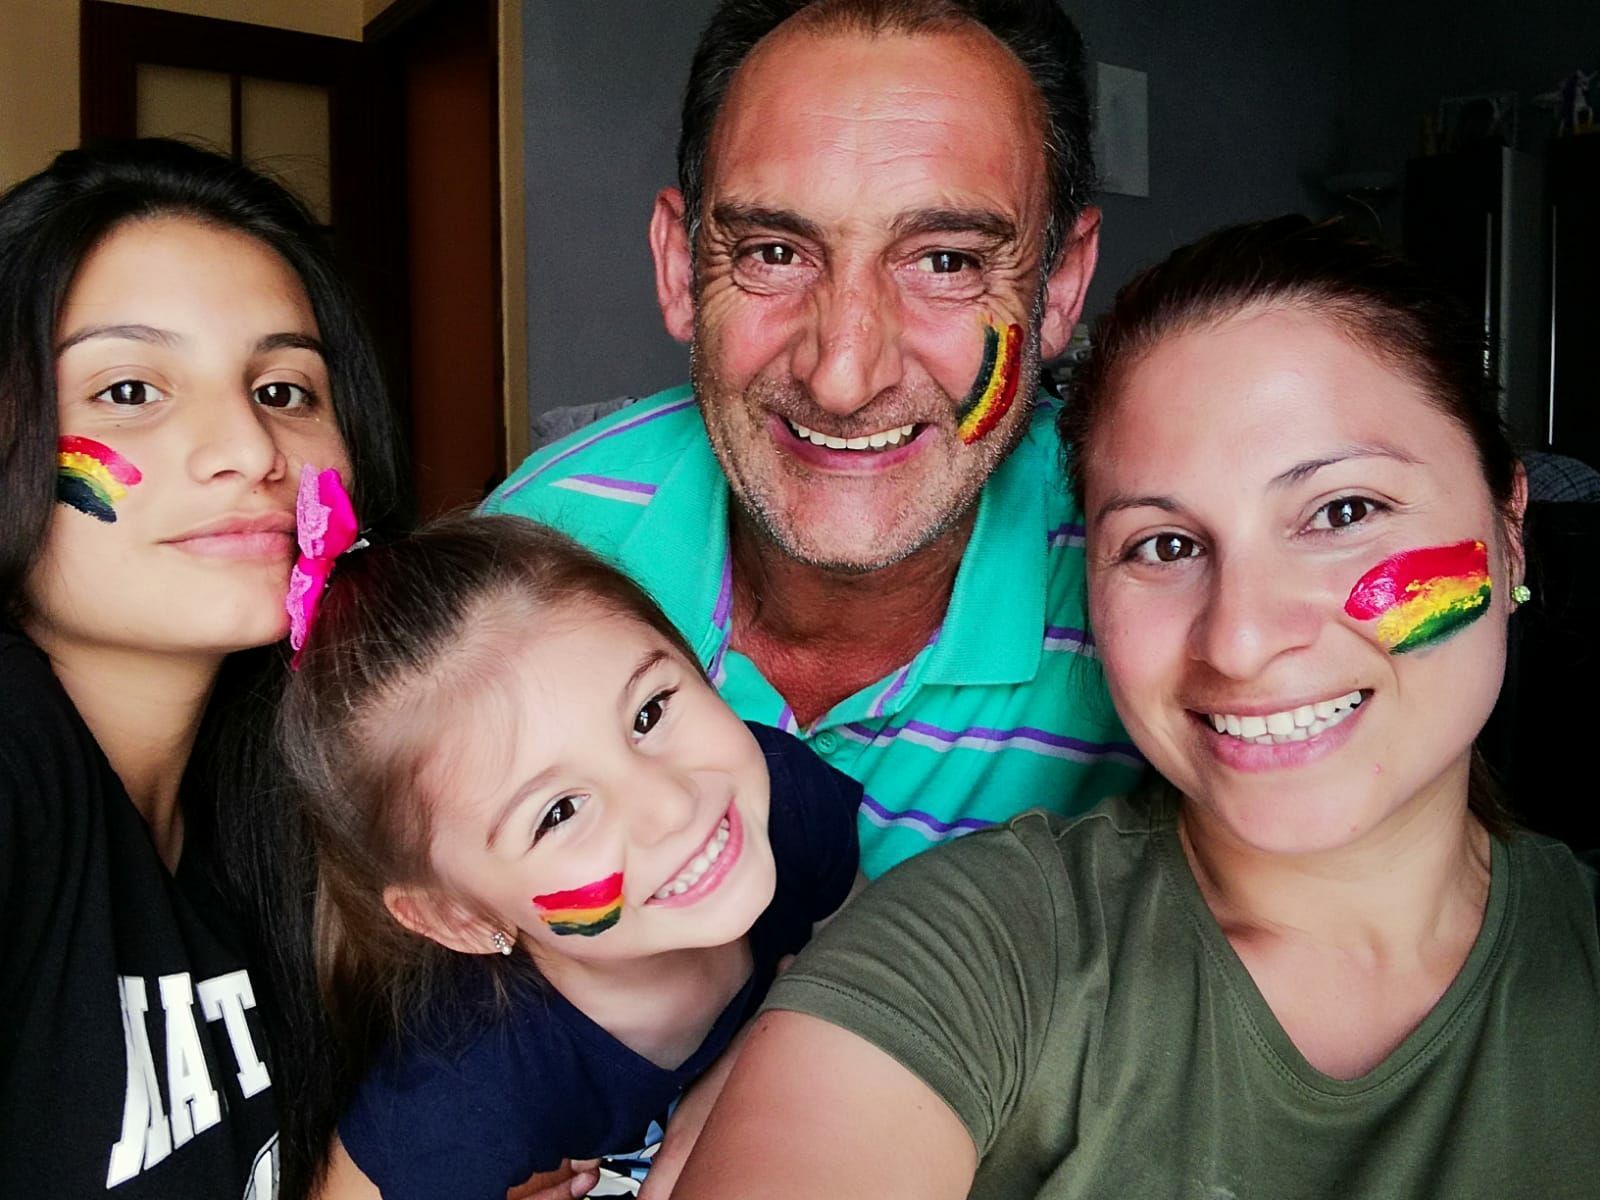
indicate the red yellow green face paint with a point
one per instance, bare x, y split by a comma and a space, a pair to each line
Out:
1421, 597
996, 386
586, 911
91, 477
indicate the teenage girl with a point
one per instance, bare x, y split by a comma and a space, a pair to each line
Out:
558, 873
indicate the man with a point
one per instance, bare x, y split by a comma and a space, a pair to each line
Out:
857, 513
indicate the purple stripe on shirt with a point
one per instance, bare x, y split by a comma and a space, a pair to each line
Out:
621, 485
930, 826
623, 427
1069, 533
1065, 633
719, 614
982, 738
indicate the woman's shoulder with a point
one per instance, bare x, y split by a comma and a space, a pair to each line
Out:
46, 751
1553, 876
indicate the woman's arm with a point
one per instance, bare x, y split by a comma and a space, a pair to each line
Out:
814, 1111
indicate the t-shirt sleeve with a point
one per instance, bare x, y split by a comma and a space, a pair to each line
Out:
948, 963
812, 824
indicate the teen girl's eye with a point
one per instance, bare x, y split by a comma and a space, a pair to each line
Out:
1344, 512
284, 395
1163, 548
559, 813
129, 393
651, 712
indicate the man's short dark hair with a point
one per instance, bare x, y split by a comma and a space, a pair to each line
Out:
1037, 32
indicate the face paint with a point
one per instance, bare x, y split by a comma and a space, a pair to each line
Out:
996, 386
591, 909
92, 477
1421, 597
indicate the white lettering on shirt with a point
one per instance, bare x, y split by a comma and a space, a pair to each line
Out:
145, 1138
226, 997
195, 1104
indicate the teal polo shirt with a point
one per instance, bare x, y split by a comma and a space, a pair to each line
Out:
1004, 709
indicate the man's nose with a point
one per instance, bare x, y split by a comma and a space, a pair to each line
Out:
851, 350
1255, 609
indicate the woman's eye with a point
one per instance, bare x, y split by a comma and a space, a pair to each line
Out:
1165, 548
284, 395
945, 262
559, 813
651, 712
1344, 512
129, 392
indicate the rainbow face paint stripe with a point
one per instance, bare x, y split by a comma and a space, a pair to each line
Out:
92, 477
1421, 597
996, 386
586, 911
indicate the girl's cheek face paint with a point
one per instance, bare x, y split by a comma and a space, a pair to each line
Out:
996, 386
585, 911
1421, 597
91, 477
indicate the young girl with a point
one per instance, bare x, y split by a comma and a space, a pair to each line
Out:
557, 871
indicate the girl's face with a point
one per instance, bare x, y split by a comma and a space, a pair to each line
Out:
191, 387
606, 804
1248, 478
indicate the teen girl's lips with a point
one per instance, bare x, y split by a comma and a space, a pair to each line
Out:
863, 454
709, 866
262, 536
1258, 740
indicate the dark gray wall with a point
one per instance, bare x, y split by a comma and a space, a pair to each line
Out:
1245, 96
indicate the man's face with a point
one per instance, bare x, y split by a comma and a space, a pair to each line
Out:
873, 224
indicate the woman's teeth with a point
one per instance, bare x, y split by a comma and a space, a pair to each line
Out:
698, 865
1291, 725
881, 440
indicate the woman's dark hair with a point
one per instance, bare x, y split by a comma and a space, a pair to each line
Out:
260, 856
409, 636
1382, 301
1041, 36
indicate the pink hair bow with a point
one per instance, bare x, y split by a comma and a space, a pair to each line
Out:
325, 525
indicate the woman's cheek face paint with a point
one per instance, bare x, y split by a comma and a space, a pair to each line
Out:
996, 386
91, 477
585, 911
1421, 597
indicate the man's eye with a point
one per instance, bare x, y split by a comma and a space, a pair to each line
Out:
651, 712
945, 262
1344, 512
1165, 548
284, 395
559, 813
129, 392
776, 254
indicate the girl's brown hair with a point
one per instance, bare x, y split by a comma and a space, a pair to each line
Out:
1385, 303
407, 635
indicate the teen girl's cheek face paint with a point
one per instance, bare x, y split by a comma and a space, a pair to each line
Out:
585, 911
91, 477
1421, 597
995, 388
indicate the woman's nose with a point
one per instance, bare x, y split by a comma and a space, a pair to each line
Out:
232, 437
1255, 609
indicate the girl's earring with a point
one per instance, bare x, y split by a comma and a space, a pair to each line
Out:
1521, 594
500, 942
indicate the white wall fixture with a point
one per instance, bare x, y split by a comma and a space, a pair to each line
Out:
1122, 129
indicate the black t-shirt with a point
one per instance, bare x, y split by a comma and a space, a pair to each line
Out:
131, 1054
544, 1082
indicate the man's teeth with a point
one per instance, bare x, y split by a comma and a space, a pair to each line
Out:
873, 441
698, 865
1291, 725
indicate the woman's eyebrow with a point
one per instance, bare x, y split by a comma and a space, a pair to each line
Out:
132, 333
290, 341
1311, 466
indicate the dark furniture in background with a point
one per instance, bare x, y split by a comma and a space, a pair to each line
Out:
1574, 296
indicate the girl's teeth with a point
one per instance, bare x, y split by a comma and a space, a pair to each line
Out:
1291, 725
697, 865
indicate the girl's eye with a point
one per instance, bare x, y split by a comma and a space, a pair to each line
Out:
1344, 512
559, 813
651, 712
284, 395
1165, 548
129, 392
945, 262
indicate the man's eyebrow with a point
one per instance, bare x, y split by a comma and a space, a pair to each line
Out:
982, 221
1304, 470
132, 333
290, 341
739, 218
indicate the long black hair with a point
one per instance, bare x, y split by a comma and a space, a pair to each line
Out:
236, 817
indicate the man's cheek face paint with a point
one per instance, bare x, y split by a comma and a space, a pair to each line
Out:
92, 477
586, 911
996, 386
1421, 597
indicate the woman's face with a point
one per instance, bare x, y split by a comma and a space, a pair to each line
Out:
191, 387
1248, 477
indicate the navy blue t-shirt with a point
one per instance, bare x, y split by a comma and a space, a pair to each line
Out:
544, 1082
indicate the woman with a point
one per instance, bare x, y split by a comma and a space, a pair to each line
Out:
173, 349
1313, 960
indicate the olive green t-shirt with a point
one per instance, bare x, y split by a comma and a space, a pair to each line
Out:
1063, 986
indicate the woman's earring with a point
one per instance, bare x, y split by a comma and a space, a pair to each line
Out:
1521, 594
500, 942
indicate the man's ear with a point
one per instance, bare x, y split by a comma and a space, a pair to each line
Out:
1069, 283
669, 244
437, 917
